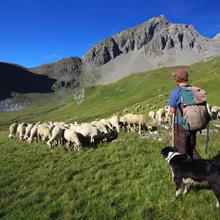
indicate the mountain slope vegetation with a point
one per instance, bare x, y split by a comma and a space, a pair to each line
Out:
124, 179
104, 100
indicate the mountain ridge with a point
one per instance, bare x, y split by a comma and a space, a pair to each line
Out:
153, 44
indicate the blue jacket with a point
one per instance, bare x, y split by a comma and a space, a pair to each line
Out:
174, 102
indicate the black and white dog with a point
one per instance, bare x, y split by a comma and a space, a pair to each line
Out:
198, 170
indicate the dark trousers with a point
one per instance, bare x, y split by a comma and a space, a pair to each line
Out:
185, 142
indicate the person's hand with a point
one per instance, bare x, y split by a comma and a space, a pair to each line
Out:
172, 111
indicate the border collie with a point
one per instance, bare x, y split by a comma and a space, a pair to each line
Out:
198, 170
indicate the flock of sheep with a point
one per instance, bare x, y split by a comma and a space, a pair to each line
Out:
77, 135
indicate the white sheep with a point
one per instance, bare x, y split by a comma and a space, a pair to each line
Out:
160, 115
133, 120
73, 126
103, 128
21, 130
27, 131
59, 124
114, 120
88, 130
167, 116
214, 111
33, 133
106, 122
57, 135
72, 138
13, 130
44, 132
152, 115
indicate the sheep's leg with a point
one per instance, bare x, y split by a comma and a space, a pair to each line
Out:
38, 138
133, 128
49, 144
60, 141
92, 139
20, 137
129, 127
68, 145
139, 129
74, 146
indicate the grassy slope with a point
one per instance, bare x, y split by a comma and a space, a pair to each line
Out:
105, 100
125, 179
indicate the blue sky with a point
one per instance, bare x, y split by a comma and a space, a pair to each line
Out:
35, 32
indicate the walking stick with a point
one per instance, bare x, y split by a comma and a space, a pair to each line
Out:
207, 139
172, 144
172, 126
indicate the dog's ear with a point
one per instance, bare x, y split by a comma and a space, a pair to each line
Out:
169, 149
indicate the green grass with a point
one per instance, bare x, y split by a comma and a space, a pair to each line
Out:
127, 179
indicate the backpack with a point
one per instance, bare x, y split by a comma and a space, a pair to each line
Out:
195, 115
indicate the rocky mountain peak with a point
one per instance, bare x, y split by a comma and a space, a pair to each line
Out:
158, 19
154, 36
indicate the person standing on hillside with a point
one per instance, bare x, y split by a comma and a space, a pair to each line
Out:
184, 140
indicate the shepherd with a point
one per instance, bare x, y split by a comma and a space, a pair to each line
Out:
190, 114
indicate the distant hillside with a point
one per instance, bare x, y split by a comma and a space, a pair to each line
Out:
14, 78
149, 89
66, 71
64, 74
